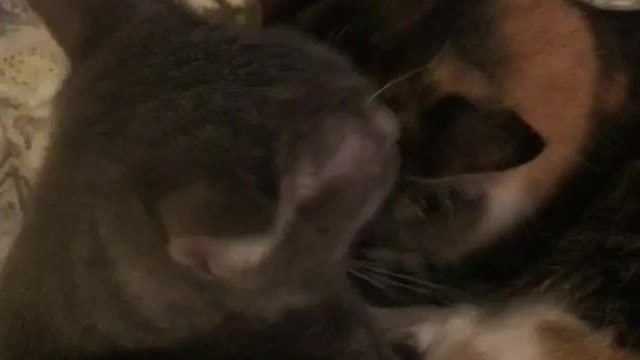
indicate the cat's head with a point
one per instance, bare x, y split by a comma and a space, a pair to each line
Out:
439, 201
538, 58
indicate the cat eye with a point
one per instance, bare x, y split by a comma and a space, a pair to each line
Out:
427, 204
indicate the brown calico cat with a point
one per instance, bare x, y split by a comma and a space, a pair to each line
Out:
570, 71
580, 252
198, 177
538, 58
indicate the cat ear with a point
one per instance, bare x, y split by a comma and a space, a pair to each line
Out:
353, 154
217, 231
333, 195
337, 183
457, 138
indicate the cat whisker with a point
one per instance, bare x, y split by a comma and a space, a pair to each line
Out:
415, 289
369, 278
337, 34
373, 268
433, 63
420, 284
397, 80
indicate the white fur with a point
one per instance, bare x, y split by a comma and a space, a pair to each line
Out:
508, 202
508, 335
204, 5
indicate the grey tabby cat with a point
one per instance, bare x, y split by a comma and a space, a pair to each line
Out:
199, 196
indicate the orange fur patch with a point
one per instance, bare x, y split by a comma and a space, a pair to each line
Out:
551, 80
560, 341
523, 331
464, 350
451, 75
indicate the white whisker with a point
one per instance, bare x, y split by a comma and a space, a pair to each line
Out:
423, 285
336, 36
415, 280
374, 282
415, 289
396, 81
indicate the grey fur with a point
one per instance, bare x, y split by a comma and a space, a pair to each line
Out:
251, 130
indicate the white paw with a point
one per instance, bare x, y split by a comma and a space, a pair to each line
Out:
523, 332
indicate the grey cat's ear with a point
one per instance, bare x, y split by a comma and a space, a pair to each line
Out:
340, 180
336, 181
215, 231
347, 154
457, 138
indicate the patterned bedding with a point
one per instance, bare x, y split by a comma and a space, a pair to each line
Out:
31, 69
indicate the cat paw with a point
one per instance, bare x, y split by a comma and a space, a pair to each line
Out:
429, 338
522, 332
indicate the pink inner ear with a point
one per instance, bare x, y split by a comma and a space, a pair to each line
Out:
354, 153
224, 258
192, 253
358, 153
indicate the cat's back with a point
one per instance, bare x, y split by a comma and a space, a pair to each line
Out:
166, 49
166, 63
